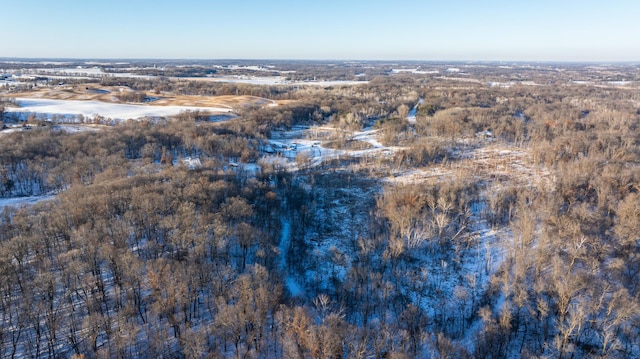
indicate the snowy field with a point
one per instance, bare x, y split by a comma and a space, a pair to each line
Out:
268, 68
108, 110
274, 80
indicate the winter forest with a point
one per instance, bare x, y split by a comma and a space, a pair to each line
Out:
316, 210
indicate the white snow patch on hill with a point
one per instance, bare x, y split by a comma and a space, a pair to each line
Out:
22, 201
107, 110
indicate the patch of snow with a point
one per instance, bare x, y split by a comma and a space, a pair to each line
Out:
287, 145
76, 128
414, 71
501, 84
293, 287
285, 243
10, 130
22, 201
251, 168
82, 71
192, 163
255, 68
251, 80
619, 83
107, 110
411, 118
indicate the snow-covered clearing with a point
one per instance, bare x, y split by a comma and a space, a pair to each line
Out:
107, 110
411, 118
305, 146
22, 201
292, 285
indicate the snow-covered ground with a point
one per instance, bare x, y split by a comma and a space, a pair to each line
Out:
251, 80
22, 201
69, 128
411, 118
414, 71
510, 162
76, 128
305, 145
10, 130
511, 83
294, 288
268, 68
463, 274
108, 110
275, 80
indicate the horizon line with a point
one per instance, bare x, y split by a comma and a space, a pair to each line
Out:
27, 59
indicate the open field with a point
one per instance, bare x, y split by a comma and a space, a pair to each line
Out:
91, 100
92, 108
109, 94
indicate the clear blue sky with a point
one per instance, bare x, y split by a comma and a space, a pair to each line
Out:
539, 30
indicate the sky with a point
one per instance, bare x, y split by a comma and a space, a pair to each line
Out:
456, 30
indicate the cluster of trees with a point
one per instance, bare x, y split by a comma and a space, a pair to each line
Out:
201, 88
47, 160
2, 112
132, 96
4, 103
140, 258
